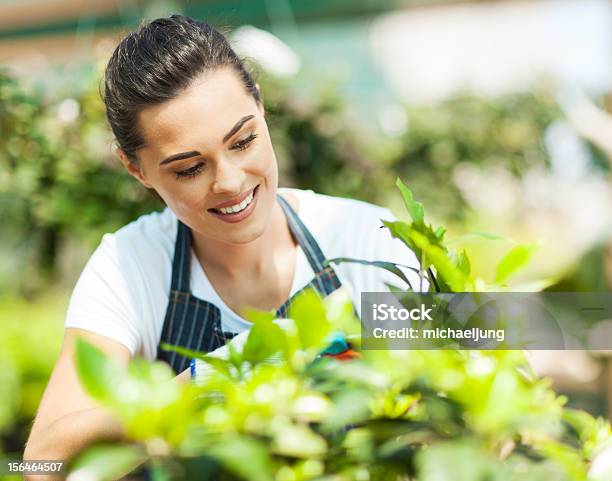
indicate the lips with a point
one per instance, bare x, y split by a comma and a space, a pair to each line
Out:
244, 208
235, 201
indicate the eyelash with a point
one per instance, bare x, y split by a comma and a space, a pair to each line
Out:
196, 169
190, 172
243, 144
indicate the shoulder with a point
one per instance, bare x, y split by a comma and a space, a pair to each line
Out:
331, 213
121, 290
147, 228
139, 253
147, 235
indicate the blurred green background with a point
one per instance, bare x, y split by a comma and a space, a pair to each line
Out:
357, 93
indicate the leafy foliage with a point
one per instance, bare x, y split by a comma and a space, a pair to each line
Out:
58, 175
27, 363
452, 268
437, 415
506, 131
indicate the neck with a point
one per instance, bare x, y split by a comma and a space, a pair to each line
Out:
250, 259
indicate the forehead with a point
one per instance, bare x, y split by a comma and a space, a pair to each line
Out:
202, 113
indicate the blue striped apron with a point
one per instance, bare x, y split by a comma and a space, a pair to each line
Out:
196, 324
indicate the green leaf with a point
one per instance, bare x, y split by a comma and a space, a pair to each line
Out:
220, 365
349, 406
158, 472
245, 457
439, 233
393, 288
388, 266
265, 339
340, 311
308, 312
190, 353
566, 456
107, 462
234, 357
415, 209
463, 263
581, 421
401, 230
513, 261
256, 316
97, 372
446, 270
298, 441
454, 461
434, 283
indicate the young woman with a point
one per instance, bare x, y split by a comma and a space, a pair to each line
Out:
190, 123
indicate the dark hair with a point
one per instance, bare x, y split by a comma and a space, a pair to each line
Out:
155, 63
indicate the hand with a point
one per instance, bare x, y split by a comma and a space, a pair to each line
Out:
184, 377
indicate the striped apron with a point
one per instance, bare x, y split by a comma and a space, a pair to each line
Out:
196, 324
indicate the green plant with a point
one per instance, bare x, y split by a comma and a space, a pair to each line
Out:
58, 177
505, 131
438, 415
453, 269
316, 144
29, 344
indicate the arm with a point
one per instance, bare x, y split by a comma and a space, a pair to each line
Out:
68, 419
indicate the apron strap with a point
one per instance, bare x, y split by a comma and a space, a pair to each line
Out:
181, 265
325, 280
303, 236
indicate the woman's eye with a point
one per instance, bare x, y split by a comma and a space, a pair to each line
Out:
243, 144
190, 172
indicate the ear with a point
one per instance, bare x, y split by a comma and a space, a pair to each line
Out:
133, 169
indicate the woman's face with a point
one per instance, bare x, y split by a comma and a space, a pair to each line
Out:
209, 156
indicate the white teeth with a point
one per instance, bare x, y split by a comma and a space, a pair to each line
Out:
238, 207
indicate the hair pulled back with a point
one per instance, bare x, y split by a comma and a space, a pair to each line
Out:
155, 63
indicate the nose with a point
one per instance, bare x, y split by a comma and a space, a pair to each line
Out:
229, 178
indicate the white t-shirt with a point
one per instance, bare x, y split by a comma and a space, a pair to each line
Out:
123, 290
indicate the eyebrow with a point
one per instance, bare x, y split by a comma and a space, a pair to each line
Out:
193, 153
181, 156
237, 127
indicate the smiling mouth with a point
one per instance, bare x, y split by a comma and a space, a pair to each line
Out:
238, 207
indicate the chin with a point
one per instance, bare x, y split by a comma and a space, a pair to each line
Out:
243, 232
243, 236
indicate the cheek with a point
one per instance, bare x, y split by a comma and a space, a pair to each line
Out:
185, 196
265, 160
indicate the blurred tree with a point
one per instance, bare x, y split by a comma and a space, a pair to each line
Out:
57, 175
27, 357
506, 130
316, 145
